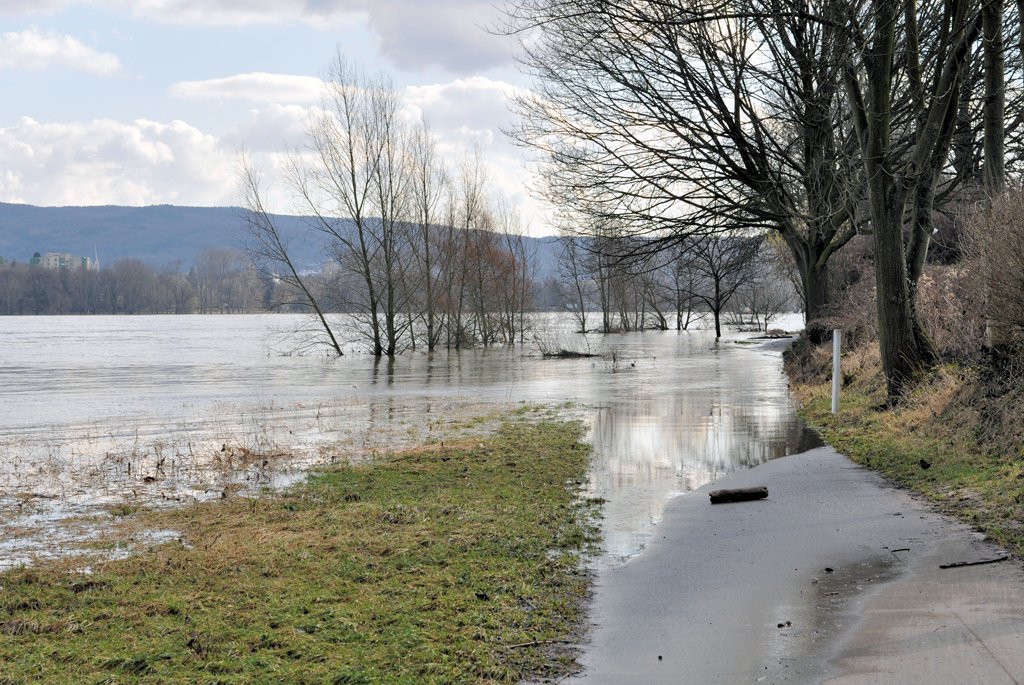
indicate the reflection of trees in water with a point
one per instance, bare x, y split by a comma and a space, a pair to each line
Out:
383, 371
726, 412
680, 411
652, 447
697, 435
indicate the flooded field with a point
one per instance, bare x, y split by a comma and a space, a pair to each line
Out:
100, 414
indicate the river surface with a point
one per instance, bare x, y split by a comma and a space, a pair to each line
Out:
101, 412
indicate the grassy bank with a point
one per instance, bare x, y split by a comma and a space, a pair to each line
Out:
455, 563
955, 439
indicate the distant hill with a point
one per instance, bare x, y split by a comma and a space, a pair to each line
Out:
158, 235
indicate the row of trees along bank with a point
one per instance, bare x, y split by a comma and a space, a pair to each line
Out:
741, 282
813, 120
424, 257
220, 281
631, 284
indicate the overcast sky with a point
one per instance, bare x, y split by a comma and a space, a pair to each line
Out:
141, 102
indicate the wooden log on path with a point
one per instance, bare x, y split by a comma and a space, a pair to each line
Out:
738, 494
979, 562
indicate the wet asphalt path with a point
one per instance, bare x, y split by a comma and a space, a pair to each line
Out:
834, 578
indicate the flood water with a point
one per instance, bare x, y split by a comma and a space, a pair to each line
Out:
97, 411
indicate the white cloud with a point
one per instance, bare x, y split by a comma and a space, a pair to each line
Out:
320, 13
469, 113
148, 162
109, 162
33, 6
414, 34
273, 128
452, 34
256, 86
239, 12
32, 50
475, 104
463, 115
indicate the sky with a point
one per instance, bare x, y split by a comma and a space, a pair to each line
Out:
140, 102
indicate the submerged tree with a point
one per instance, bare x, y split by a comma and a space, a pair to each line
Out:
269, 252
429, 183
409, 254
723, 265
355, 189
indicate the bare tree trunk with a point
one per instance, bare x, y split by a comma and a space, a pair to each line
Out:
994, 170
993, 140
905, 350
902, 357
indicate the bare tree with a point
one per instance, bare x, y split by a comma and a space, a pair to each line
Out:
902, 147
429, 185
180, 297
269, 251
411, 255
677, 117
467, 213
356, 188
812, 118
766, 293
223, 281
723, 264
516, 292
683, 286
573, 273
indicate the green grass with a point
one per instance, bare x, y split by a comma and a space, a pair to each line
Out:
968, 477
436, 565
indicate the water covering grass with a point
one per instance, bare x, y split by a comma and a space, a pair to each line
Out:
446, 563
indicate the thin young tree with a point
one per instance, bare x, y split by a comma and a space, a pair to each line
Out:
573, 273
517, 291
428, 185
269, 251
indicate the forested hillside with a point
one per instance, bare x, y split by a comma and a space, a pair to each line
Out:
158, 235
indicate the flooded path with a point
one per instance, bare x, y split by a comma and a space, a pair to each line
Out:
97, 411
836, 578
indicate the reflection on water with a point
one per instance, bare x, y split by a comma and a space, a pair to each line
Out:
716, 409
168, 409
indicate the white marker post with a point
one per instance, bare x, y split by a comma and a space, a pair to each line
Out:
837, 338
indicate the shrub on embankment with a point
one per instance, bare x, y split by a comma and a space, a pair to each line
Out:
956, 436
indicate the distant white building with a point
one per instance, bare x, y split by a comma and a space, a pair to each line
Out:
64, 260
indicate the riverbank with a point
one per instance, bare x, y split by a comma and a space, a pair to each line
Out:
956, 440
446, 563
